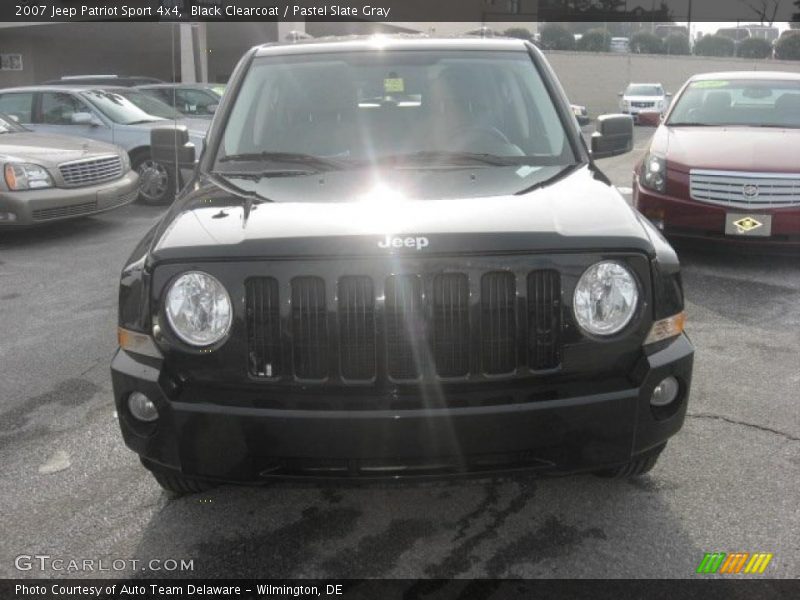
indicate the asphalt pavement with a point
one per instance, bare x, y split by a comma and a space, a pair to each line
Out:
69, 488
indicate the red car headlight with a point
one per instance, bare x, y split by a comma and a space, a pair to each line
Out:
653, 174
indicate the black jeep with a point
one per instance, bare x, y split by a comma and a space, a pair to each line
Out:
397, 257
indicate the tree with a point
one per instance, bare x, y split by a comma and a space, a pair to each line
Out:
677, 44
765, 10
714, 45
646, 43
788, 47
754, 48
556, 37
595, 40
518, 32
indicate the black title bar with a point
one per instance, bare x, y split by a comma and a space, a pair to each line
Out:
485, 11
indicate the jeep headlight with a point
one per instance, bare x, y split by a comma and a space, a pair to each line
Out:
26, 176
199, 309
653, 175
605, 298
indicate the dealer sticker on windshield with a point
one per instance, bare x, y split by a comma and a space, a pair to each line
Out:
748, 225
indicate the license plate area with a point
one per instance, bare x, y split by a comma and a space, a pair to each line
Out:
748, 225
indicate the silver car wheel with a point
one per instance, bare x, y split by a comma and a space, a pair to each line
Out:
153, 180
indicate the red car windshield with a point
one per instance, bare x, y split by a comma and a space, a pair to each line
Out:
749, 103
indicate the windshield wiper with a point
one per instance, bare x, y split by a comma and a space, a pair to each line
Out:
259, 175
139, 122
692, 124
315, 162
454, 158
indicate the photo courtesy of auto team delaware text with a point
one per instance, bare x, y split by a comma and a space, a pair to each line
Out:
363, 293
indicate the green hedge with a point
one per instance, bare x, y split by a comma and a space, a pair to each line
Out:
595, 40
714, 45
788, 46
677, 44
518, 32
556, 37
754, 48
646, 43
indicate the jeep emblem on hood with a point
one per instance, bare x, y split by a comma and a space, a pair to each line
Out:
404, 242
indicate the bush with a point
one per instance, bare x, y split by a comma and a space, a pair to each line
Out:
714, 45
677, 44
556, 37
595, 40
754, 48
788, 46
646, 43
518, 32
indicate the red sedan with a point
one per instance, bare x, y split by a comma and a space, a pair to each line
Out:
725, 163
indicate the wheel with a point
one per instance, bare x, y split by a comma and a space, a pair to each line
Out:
177, 483
640, 465
156, 182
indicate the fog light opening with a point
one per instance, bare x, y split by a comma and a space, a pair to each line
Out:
7, 217
142, 408
665, 392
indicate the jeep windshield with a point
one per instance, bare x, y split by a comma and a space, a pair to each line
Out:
401, 109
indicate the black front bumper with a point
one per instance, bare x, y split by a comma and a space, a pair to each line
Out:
238, 441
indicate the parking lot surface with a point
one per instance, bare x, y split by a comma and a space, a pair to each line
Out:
729, 481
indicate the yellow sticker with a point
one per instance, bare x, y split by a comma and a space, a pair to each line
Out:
699, 85
393, 86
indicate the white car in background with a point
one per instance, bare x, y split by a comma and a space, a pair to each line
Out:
644, 98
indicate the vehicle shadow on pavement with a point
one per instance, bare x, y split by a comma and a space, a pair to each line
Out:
511, 526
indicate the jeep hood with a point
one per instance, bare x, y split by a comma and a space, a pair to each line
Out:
577, 212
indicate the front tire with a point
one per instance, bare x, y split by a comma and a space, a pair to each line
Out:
640, 465
156, 181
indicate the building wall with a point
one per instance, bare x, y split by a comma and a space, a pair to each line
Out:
594, 79
53, 50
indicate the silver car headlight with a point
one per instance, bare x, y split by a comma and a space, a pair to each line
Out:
26, 176
199, 309
126, 161
605, 298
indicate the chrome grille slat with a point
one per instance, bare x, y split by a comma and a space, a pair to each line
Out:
727, 188
91, 171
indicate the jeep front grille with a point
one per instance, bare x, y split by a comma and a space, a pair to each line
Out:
404, 327
740, 189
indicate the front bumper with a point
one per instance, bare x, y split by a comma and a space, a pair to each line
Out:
35, 207
681, 217
234, 439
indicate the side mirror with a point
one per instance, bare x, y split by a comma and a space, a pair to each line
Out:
14, 118
614, 136
620, 94
669, 94
212, 108
83, 118
169, 143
